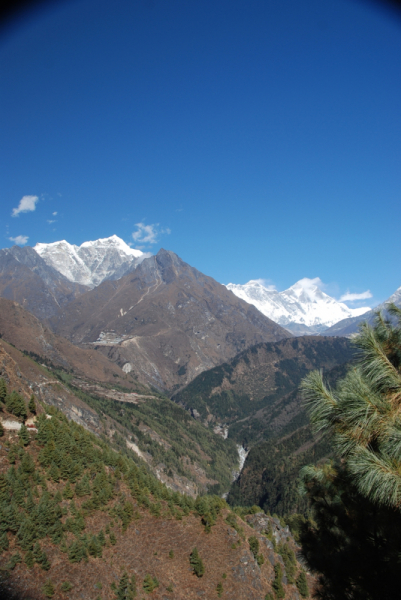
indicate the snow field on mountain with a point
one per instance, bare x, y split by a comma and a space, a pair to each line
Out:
302, 303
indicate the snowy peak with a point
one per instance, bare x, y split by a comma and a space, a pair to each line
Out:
304, 304
91, 262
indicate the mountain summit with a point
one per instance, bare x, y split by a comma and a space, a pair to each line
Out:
166, 321
91, 262
303, 308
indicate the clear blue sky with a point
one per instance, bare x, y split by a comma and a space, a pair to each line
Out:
256, 139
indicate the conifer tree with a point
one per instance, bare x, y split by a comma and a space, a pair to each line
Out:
27, 534
4, 489
48, 589
32, 405
150, 583
15, 404
3, 542
27, 465
68, 491
302, 585
29, 559
3, 391
94, 548
23, 435
113, 540
196, 563
126, 588
44, 563
356, 500
277, 584
66, 586
101, 538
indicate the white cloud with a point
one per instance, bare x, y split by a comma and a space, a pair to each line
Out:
54, 214
307, 283
21, 240
267, 283
147, 234
51, 221
348, 297
26, 204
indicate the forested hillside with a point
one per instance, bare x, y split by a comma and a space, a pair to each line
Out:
80, 520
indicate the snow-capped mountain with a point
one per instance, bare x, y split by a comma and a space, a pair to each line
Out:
91, 262
302, 308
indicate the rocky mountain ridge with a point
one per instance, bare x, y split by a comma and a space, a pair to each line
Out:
92, 262
303, 308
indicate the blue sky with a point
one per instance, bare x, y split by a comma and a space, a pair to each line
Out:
257, 139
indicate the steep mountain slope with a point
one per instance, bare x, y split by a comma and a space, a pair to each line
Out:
303, 308
92, 262
349, 327
27, 333
80, 520
270, 475
253, 394
152, 429
166, 321
27, 279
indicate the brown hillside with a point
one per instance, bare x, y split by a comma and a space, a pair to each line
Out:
27, 333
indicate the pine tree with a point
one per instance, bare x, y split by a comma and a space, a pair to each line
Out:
150, 583
23, 435
54, 473
68, 491
277, 584
196, 563
302, 585
27, 464
125, 590
94, 548
113, 540
66, 586
29, 559
4, 489
27, 534
101, 538
37, 552
3, 391
44, 563
356, 498
3, 542
32, 405
254, 545
219, 589
15, 404
361, 415
48, 589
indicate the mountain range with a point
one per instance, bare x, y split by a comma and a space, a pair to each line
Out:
302, 309
183, 378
